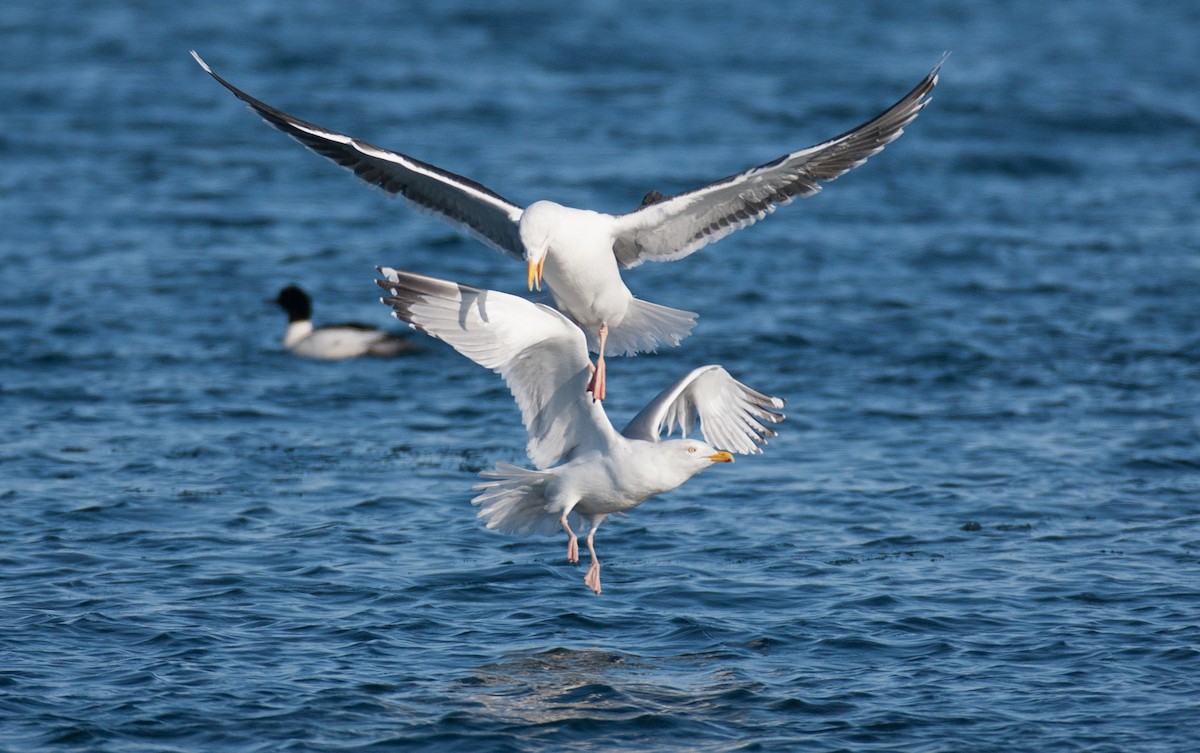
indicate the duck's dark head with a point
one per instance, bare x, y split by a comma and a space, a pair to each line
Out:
295, 302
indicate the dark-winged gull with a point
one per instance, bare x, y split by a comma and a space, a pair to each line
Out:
580, 253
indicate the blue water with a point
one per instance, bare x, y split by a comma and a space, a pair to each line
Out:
979, 528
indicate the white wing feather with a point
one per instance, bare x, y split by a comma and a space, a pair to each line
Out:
669, 228
730, 413
540, 353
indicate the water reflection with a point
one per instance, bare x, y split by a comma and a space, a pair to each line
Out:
557, 685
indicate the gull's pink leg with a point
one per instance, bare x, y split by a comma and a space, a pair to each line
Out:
592, 579
597, 385
572, 541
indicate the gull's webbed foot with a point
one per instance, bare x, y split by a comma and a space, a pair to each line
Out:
592, 579
597, 384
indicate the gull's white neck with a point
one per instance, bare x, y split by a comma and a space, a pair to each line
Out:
655, 467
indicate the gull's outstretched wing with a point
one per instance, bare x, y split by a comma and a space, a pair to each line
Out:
462, 202
730, 413
669, 228
540, 353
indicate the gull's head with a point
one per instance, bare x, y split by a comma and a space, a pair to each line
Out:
667, 464
700, 454
537, 225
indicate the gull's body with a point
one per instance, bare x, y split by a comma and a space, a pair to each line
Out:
580, 253
584, 468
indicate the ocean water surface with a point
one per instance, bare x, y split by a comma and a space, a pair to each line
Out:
979, 528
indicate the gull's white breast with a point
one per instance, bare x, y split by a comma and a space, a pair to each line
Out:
581, 269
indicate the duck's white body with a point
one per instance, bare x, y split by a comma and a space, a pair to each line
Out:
332, 342
338, 342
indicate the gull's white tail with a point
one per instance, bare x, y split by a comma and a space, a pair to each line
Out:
646, 327
514, 500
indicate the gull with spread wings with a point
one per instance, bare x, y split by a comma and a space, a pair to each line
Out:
583, 468
580, 253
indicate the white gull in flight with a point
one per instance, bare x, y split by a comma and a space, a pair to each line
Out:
580, 253
584, 468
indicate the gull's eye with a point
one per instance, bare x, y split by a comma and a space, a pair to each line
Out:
691, 449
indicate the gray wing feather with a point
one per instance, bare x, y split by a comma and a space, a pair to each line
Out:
668, 228
730, 414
